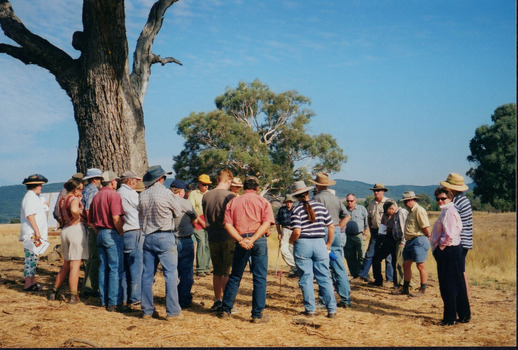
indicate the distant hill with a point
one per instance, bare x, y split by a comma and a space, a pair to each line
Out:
11, 196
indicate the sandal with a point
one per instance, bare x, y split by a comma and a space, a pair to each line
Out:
34, 288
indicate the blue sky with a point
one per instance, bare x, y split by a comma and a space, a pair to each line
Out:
401, 84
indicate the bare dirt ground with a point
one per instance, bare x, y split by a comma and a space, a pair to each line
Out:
377, 318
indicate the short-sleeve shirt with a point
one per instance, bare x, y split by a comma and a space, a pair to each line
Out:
317, 229
375, 211
88, 195
106, 204
33, 204
333, 204
130, 205
359, 215
214, 205
196, 197
184, 219
416, 220
248, 212
463, 206
156, 207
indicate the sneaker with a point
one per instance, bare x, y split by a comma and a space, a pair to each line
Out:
262, 319
234, 310
331, 315
201, 274
217, 305
320, 306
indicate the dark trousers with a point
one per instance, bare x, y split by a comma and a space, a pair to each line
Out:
385, 246
451, 283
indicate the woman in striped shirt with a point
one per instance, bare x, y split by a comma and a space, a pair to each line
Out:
309, 221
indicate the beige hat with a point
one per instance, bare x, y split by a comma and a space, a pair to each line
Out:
455, 182
130, 175
78, 176
300, 187
289, 198
322, 179
408, 195
109, 176
379, 187
140, 186
237, 182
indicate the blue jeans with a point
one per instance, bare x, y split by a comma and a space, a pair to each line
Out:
338, 270
133, 264
110, 246
367, 261
311, 257
160, 247
259, 255
185, 270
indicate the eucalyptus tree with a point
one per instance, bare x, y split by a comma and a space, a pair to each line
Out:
107, 98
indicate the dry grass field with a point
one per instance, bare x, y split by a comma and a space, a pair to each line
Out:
377, 318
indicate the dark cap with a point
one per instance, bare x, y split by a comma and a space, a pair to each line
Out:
35, 179
177, 183
252, 178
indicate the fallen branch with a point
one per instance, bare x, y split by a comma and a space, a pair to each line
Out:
69, 343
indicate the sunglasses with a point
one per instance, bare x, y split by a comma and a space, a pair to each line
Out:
350, 201
441, 198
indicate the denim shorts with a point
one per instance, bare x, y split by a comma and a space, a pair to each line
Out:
416, 249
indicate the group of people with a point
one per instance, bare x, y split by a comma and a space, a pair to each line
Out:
124, 226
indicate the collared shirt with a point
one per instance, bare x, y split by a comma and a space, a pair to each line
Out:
398, 231
375, 211
214, 205
334, 206
284, 217
184, 219
447, 228
248, 211
196, 197
415, 222
130, 204
463, 206
359, 215
106, 204
33, 204
88, 195
317, 229
156, 208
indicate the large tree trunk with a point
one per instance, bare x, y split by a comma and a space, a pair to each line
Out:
107, 99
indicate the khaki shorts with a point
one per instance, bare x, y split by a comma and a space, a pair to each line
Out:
222, 254
74, 242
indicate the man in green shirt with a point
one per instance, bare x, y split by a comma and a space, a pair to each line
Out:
202, 237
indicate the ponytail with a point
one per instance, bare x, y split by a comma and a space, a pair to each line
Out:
312, 217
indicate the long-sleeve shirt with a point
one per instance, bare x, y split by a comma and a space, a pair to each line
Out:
447, 228
463, 206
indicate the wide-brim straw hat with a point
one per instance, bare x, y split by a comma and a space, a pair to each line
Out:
109, 176
154, 173
300, 187
322, 179
93, 173
35, 179
408, 195
455, 182
379, 187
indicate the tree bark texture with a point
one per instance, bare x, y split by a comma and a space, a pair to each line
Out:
107, 100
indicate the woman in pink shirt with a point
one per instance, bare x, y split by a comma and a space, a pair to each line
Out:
445, 242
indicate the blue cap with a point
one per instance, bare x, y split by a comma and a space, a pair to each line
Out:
177, 183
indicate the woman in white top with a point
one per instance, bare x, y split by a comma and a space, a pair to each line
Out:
34, 226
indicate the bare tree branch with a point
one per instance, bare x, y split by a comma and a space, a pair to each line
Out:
143, 57
34, 49
164, 61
